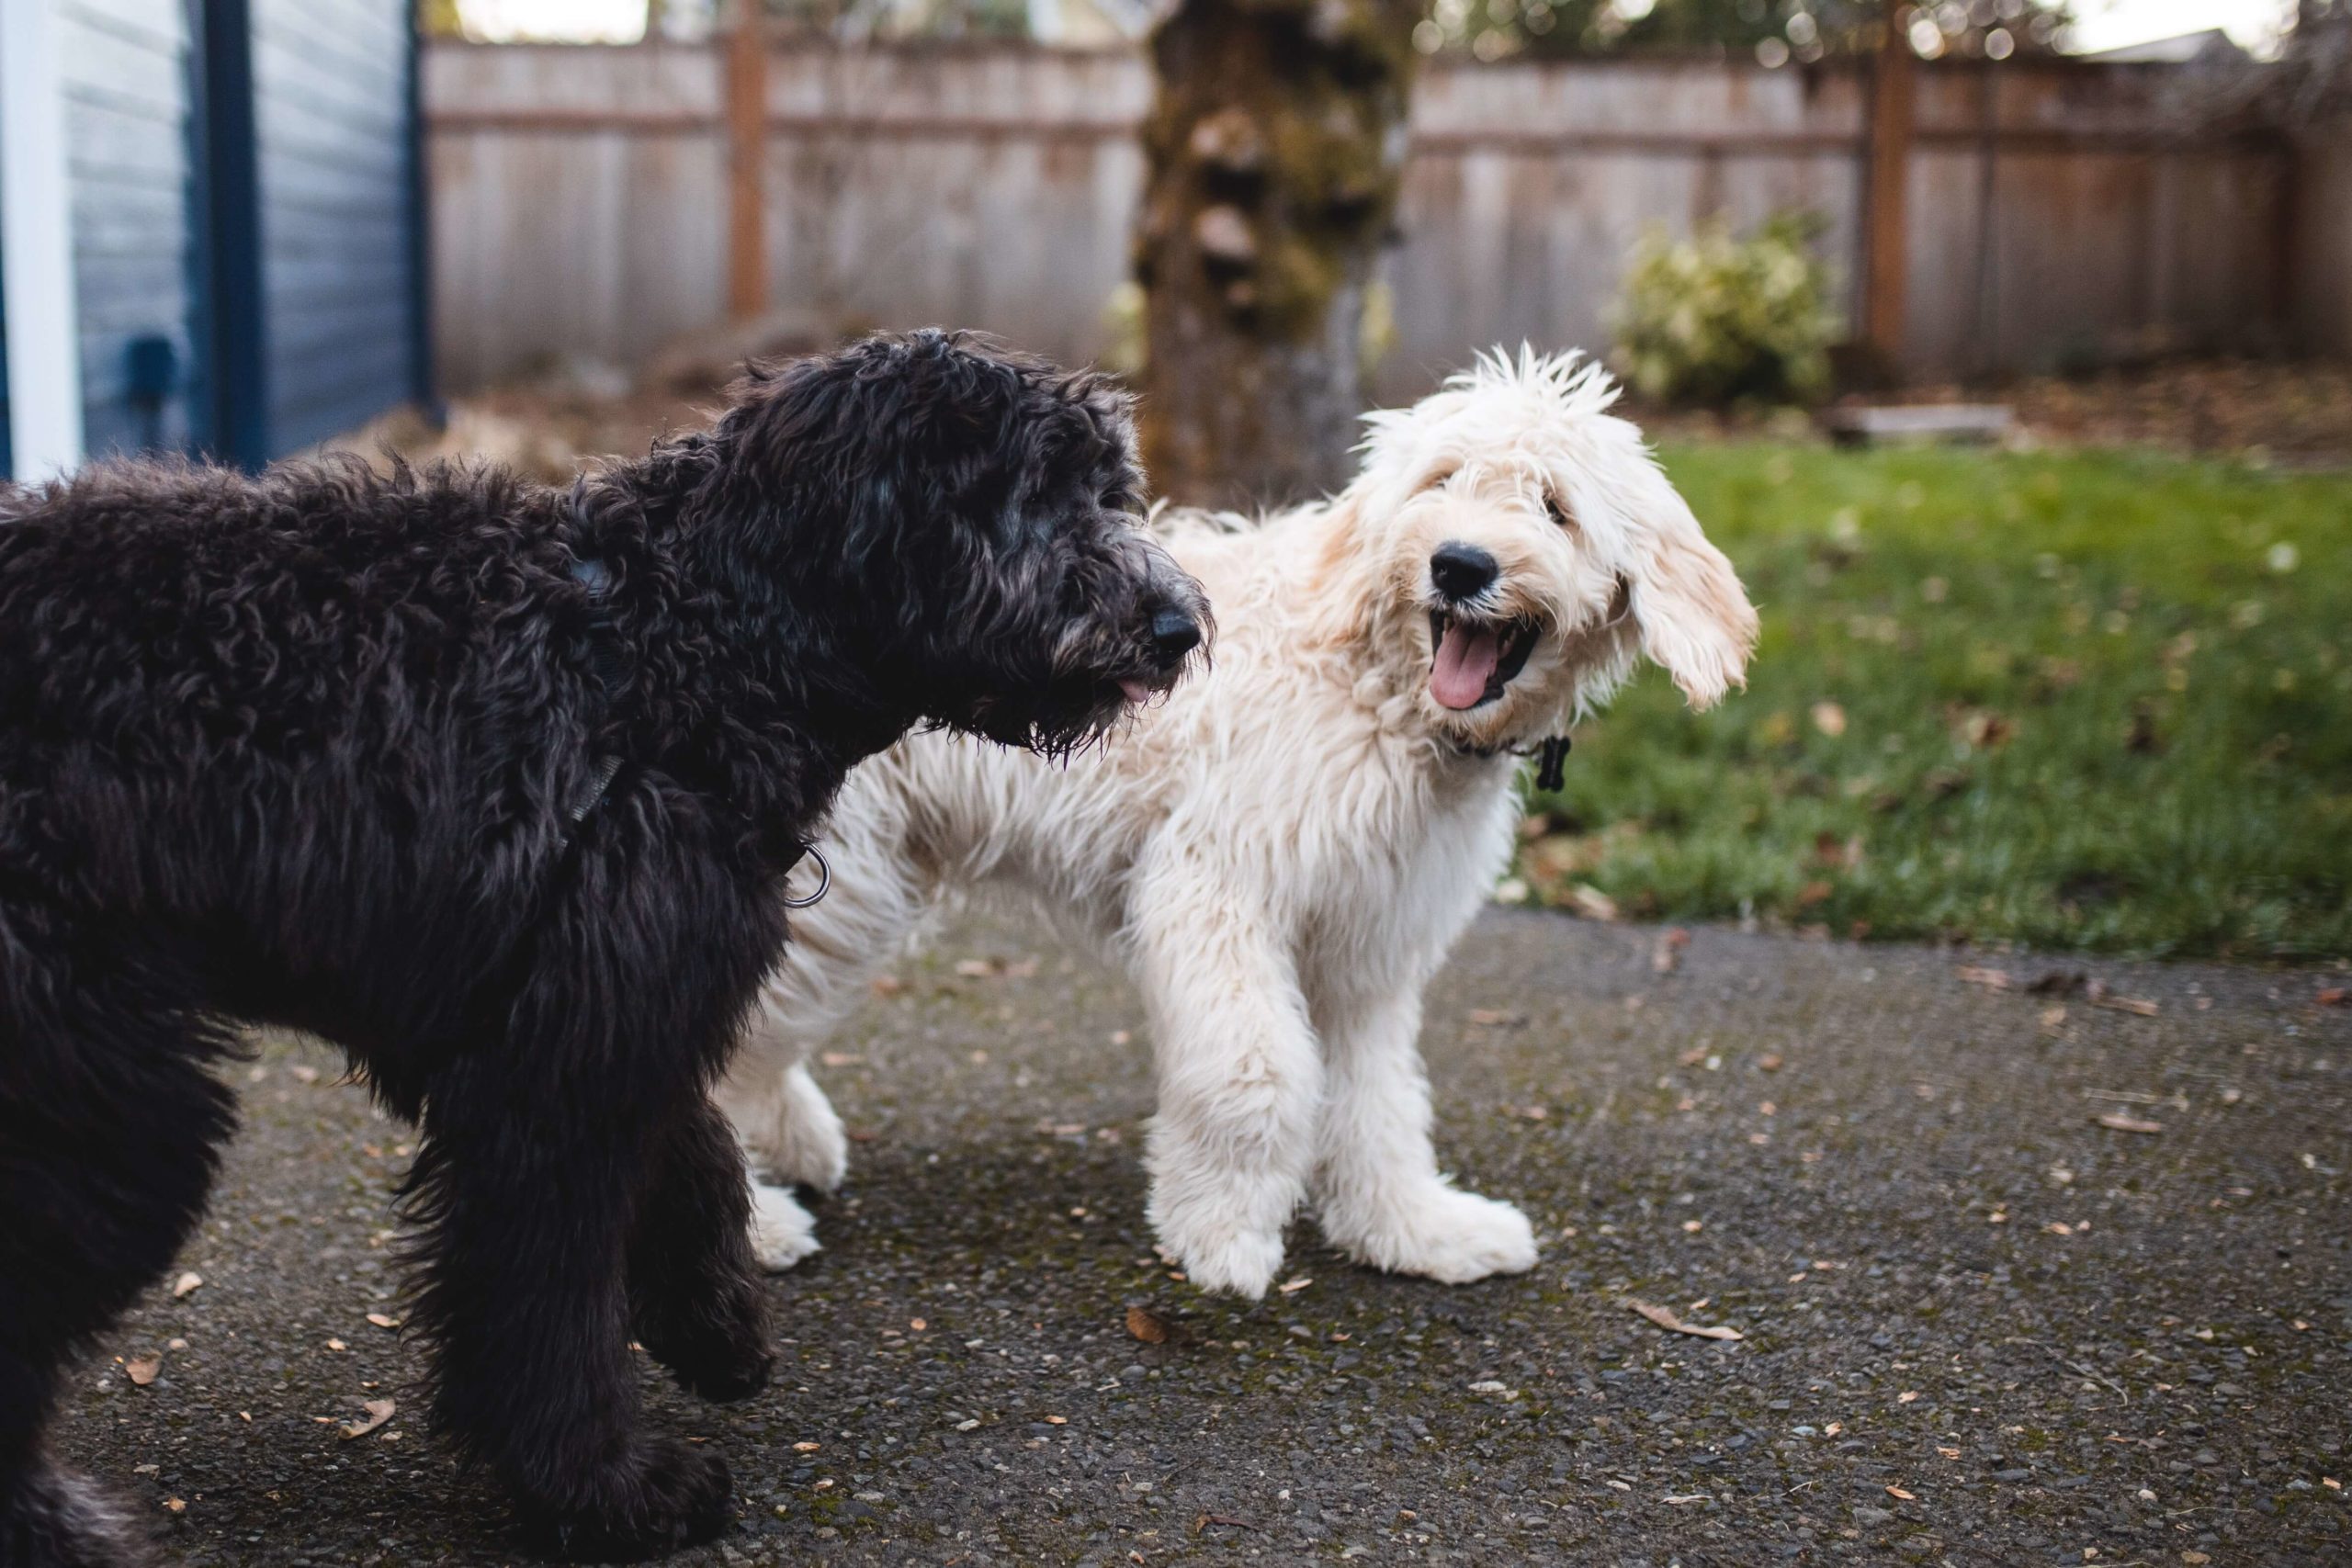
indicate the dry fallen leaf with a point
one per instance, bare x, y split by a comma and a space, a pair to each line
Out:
1057, 1420
975, 968
1907, 1396
2137, 1006
1591, 902
1664, 1318
383, 1320
1770, 1061
2122, 1123
1667, 955
1992, 979
176, 1504
806, 1447
379, 1412
185, 1284
1292, 1287
1146, 1326
2333, 997
1898, 1492
141, 1369
1494, 1018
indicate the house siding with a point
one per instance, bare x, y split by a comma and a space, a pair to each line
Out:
124, 74
331, 80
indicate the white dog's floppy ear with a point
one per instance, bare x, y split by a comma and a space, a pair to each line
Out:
1695, 619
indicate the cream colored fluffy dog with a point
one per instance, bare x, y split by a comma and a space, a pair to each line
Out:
1283, 854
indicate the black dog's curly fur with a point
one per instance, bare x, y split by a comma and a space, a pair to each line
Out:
308, 749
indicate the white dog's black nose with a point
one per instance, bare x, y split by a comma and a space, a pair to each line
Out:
1174, 633
1462, 572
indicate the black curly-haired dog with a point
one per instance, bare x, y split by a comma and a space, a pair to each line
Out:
492, 786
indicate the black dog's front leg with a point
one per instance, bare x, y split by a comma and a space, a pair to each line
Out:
695, 1295
527, 1194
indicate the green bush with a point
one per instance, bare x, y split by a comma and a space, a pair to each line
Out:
1716, 320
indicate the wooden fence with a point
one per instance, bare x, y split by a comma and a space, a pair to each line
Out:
582, 203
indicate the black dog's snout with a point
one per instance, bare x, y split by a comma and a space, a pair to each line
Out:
1462, 572
1174, 633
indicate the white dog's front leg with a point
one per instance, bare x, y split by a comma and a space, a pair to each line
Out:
1378, 1190
1238, 1080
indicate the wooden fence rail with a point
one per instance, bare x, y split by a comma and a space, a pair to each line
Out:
593, 202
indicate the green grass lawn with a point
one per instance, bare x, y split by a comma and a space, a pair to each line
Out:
2088, 700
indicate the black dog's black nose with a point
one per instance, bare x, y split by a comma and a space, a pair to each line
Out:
1462, 572
1174, 633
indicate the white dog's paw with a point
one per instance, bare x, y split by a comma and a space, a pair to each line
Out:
1443, 1234
812, 1145
783, 1232
1239, 1263
1217, 1254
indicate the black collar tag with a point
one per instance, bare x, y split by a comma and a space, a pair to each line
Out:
1551, 766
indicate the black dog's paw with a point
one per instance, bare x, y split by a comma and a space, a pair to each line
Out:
720, 1367
717, 1346
58, 1520
665, 1496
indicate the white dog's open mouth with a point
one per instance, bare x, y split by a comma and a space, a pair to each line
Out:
1476, 659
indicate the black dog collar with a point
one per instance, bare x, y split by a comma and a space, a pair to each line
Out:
1550, 767
604, 655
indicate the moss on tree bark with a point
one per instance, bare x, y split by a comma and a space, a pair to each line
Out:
1275, 146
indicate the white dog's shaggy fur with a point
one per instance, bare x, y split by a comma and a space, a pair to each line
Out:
1284, 853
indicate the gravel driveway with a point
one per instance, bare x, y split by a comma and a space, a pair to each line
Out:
2021, 1277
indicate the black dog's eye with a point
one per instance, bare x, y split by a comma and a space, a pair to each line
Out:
1559, 513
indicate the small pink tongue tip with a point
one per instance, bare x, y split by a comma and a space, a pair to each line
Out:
1466, 662
1137, 692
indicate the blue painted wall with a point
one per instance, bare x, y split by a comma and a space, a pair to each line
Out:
128, 100
332, 127
330, 249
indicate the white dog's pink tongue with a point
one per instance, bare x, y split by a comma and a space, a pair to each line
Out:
1466, 662
1135, 692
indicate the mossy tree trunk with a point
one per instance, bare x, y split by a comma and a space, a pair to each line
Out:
1275, 145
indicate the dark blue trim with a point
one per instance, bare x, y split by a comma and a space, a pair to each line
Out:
236, 330
421, 376
8, 451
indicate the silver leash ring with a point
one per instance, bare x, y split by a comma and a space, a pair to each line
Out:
824, 881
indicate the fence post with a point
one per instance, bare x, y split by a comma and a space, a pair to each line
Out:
747, 113
1888, 255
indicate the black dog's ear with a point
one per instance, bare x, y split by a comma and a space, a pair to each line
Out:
861, 441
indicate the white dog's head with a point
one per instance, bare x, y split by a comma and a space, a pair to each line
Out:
1511, 547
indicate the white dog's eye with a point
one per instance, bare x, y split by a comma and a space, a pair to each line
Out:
1439, 476
1559, 513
